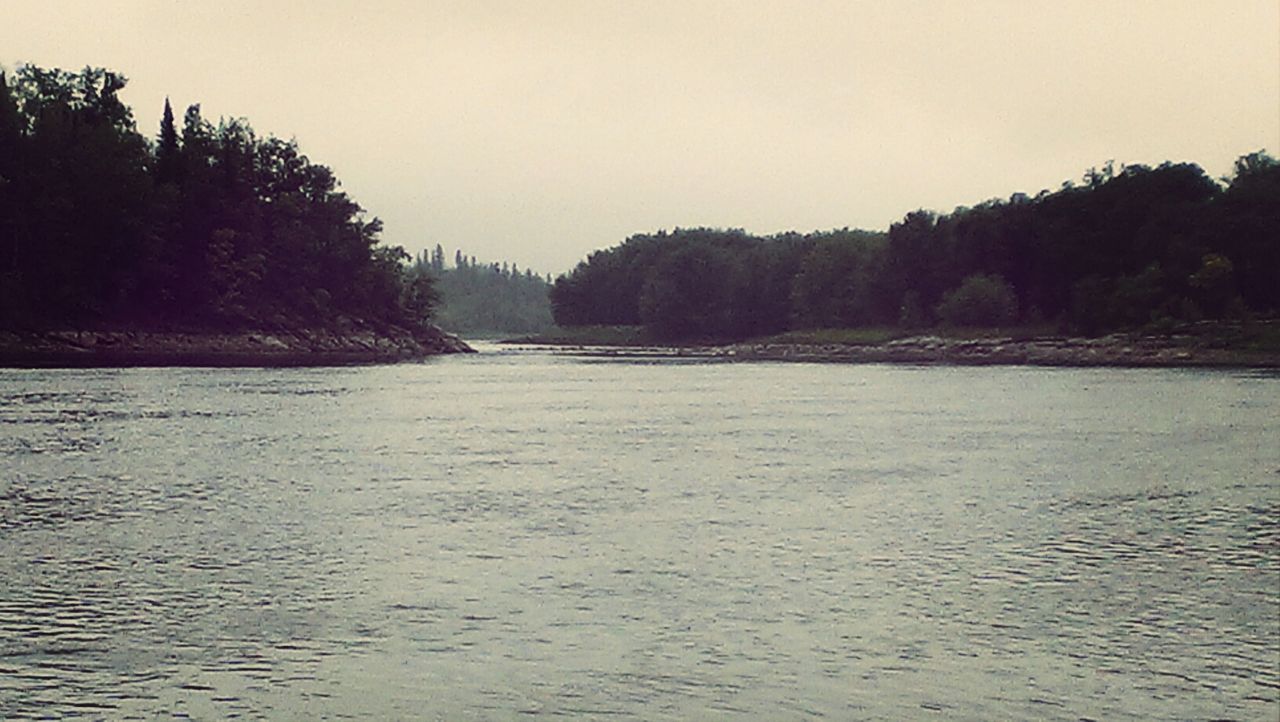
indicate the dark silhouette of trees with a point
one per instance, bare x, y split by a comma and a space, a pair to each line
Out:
1247, 229
688, 293
11, 136
212, 226
168, 161
80, 195
838, 282
1127, 247
980, 300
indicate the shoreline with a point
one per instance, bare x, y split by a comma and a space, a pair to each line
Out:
1131, 350
1114, 351
223, 349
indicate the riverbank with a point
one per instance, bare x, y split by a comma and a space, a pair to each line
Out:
1113, 350
1201, 345
352, 344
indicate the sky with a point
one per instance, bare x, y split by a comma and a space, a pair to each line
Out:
536, 131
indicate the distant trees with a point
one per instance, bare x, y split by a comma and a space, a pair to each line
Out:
687, 283
1128, 247
212, 225
838, 281
482, 299
689, 292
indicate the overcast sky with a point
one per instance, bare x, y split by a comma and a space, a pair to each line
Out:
538, 130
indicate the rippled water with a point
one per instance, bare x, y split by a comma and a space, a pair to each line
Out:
518, 535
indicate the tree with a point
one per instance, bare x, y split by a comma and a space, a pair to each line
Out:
83, 211
475, 300
1247, 228
218, 227
12, 291
834, 284
1215, 284
168, 158
420, 295
980, 300
11, 126
687, 294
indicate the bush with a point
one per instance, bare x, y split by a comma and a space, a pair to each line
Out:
980, 300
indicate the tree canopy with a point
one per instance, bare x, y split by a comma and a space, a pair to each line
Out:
1124, 248
492, 298
210, 225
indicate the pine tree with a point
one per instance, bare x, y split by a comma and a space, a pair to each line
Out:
168, 159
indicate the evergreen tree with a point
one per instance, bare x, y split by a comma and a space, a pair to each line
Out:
481, 299
220, 228
167, 152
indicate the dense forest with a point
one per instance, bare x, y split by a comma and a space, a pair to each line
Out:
479, 299
205, 225
1137, 246
212, 226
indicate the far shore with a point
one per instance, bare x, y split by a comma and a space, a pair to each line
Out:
1202, 345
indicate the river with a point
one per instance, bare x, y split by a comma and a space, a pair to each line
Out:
519, 534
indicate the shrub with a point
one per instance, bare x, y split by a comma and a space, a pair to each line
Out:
980, 300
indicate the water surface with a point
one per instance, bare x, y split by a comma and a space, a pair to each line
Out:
522, 535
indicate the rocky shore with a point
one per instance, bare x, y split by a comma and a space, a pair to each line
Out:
1113, 350
349, 344
1198, 349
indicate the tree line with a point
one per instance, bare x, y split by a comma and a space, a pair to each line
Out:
486, 298
1126, 247
204, 225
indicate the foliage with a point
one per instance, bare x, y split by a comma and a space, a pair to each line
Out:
688, 293
1128, 247
836, 282
479, 299
212, 226
980, 300
688, 283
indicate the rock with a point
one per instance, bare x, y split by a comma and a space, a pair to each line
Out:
1113, 350
297, 347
